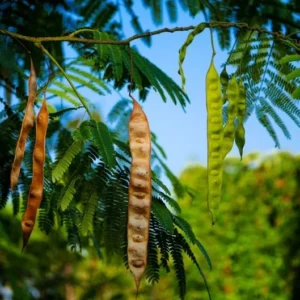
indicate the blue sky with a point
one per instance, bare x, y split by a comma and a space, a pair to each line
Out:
183, 134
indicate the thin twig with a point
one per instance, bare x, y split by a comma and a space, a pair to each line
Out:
49, 73
72, 38
81, 31
68, 79
212, 43
131, 74
16, 39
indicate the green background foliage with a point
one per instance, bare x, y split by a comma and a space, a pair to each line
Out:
254, 246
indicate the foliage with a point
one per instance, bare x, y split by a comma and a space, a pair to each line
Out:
84, 209
87, 166
254, 245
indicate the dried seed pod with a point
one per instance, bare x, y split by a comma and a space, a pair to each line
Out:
139, 204
27, 124
37, 184
214, 104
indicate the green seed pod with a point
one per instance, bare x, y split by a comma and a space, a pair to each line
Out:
241, 112
233, 96
224, 81
182, 50
241, 105
240, 137
214, 139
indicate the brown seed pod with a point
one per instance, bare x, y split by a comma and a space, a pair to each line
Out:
37, 184
139, 204
27, 124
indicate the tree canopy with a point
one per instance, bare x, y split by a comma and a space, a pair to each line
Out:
88, 161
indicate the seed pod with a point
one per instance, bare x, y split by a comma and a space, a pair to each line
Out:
214, 139
27, 124
241, 112
139, 204
182, 51
37, 184
233, 96
224, 81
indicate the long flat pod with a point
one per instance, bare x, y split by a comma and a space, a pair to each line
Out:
139, 205
214, 104
37, 184
27, 124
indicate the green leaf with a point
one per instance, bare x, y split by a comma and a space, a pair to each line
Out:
141, 64
294, 74
289, 58
159, 147
265, 122
88, 214
118, 109
267, 108
117, 63
64, 95
124, 147
172, 11
85, 130
68, 194
83, 133
204, 252
186, 248
67, 89
162, 214
16, 197
63, 111
64, 163
85, 83
104, 143
185, 227
46, 219
91, 77
160, 183
176, 253
173, 203
156, 6
136, 76
152, 269
178, 187
296, 93
70, 218
102, 49
97, 246
188, 231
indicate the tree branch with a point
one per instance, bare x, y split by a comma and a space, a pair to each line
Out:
72, 38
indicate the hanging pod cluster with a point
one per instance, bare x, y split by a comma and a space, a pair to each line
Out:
220, 139
37, 184
139, 203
